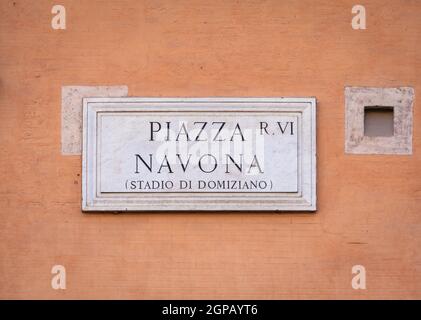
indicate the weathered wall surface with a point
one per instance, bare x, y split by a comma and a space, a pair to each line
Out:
369, 207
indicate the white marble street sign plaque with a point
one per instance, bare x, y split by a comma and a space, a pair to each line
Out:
201, 154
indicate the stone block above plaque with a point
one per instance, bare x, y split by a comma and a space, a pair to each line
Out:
199, 154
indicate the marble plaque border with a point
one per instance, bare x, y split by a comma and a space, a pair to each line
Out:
303, 200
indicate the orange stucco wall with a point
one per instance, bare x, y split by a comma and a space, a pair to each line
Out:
369, 207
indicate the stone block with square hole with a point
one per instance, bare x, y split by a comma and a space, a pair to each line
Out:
378, 120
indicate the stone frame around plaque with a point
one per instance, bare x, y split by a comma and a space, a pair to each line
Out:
303, 200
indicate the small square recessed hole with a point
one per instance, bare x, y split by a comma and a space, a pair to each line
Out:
378, 121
